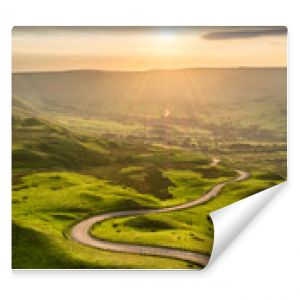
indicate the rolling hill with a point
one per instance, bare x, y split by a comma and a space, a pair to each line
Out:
205, 95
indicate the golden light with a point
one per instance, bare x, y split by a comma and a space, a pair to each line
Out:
167, 36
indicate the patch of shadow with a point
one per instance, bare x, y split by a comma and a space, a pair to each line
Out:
130, 204
216, 172
57, 177
196, 238
270, 176
91, 196
63, 210
55, 188
17, 201
63, 217
20, 187
150, 180
34, 250
147, 224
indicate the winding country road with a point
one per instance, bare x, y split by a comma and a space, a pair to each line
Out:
81, 231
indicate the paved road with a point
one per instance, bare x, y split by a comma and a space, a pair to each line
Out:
80, 232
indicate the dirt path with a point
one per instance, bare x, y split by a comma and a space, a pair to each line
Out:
80, 232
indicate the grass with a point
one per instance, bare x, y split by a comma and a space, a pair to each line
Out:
47, 250
189, 185
189, 229
71, 161
47, 204
106, 178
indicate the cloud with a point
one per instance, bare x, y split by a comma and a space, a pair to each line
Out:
244, 32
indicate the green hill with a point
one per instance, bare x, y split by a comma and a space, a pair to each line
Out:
208, 96
89, 142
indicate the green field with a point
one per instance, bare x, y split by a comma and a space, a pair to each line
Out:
89, 142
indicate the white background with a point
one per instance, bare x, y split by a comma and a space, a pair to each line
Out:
262, 262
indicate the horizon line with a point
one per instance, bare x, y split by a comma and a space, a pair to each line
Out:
146, 70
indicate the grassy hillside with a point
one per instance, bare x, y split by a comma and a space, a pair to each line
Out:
213, 96
189, 229
88, 142
46, 205
39, 144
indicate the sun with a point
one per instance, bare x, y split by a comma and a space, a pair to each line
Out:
167, 36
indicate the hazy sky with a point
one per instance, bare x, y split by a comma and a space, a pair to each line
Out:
142, 48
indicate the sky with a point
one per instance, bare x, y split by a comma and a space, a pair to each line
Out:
144, 48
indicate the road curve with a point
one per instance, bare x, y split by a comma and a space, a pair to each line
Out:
81, 231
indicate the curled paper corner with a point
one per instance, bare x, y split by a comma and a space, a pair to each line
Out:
230, 221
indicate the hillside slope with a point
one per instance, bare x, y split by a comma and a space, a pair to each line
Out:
187, 93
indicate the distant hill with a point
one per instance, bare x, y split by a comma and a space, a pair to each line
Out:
186, 93
98, 122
